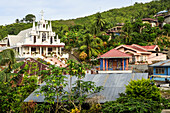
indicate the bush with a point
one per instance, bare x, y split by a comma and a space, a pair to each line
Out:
131, 105
143, 89
142, 96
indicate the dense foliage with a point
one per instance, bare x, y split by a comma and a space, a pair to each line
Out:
143, 89
141, 96
14, 88
60, 98
74, 31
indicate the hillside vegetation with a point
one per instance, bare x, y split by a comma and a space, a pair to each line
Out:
111, 17
88, 34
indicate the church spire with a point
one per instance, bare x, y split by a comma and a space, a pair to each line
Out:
42, 15
33, 26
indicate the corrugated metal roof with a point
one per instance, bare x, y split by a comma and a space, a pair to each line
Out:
113, 85
163, 63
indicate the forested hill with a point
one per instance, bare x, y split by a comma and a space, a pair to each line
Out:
119, 15
111, 17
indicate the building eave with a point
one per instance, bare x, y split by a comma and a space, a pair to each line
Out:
31, 45
115, 57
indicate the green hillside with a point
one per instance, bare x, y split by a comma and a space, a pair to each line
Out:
111, 17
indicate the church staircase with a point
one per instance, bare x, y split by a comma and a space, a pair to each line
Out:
55, 61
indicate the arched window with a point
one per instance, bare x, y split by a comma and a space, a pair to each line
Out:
51, 40
43, 36
34, 39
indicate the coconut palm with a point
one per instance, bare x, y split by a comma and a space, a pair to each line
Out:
98, 24
90, 45
7, 57
8, 64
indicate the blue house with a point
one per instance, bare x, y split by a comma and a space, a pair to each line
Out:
114, 61
161, 70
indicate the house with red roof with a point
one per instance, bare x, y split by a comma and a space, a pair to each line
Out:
114, 61
142, 54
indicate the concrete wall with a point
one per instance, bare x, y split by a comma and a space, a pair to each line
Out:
153, 57
140, 67
167, 20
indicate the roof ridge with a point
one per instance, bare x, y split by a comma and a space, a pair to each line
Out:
141, 47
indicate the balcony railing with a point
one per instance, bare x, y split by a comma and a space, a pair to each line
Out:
114, 68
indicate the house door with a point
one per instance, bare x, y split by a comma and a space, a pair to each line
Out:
119, 67
133, 59
110, 64
125, 64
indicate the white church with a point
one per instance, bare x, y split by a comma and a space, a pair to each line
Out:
37, 42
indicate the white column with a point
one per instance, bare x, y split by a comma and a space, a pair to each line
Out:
46, 51
20, 52
60, 50
30, 51
56, 50
40, 51
40, 37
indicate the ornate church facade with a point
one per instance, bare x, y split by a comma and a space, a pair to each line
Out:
37, 42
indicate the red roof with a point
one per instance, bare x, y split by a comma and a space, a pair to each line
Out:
136, 48
149, 47
114, 53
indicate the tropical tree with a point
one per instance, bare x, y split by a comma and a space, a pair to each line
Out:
90, 45
128, 29
166, 28
13, 93
98, 24
29, 18
141, 96
143, 89
7, 57
62, 98
8, 64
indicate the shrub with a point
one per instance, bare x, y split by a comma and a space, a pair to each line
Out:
131, 105
143, 89
83, 55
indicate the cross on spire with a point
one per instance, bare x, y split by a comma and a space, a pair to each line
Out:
42, 14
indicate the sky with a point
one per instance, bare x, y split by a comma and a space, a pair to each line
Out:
10, 10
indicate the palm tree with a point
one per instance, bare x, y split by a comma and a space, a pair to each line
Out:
8, 64
98, 24
7, 57
90, 45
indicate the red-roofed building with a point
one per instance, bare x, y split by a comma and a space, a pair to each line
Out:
114, 61
142, 54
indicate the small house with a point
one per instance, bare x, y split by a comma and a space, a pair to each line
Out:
143, 54
114, 61
161, 70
